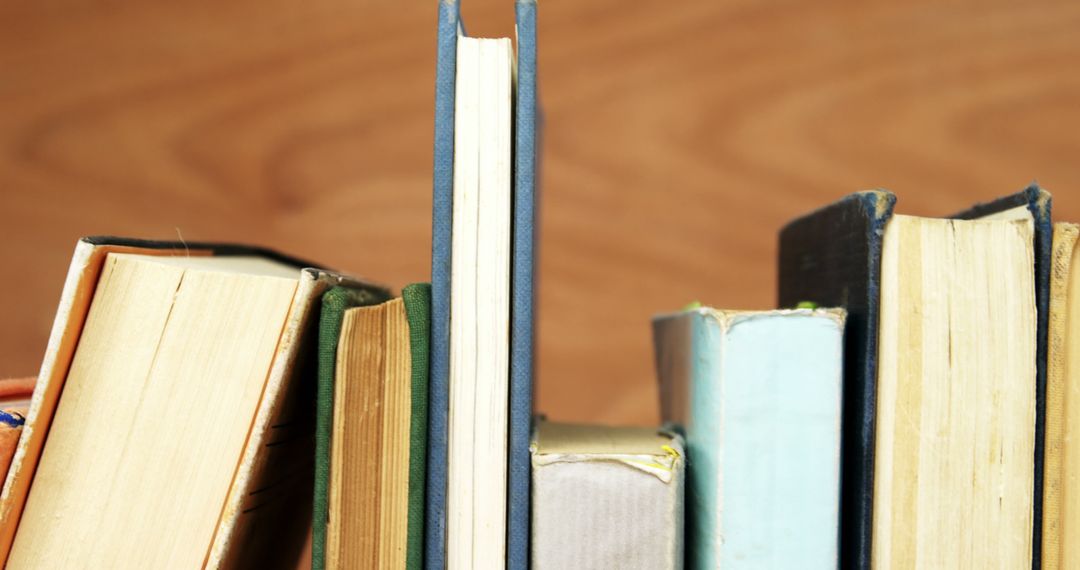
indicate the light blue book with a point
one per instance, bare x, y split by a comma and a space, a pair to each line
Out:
758, 394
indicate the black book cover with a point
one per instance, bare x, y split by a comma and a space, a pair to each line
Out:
833, 257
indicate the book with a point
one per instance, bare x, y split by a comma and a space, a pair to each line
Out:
488, 527
607, 497
1061, 492
984, 277
477, 463
441, 236
521, 289
758, 394
371, 430
179, 367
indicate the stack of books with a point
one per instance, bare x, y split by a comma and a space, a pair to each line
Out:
915, 401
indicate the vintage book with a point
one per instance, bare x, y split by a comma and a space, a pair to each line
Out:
372, 431
759, 396
939, 311
607, 497
454, 150
521, 289
1061, 490
197, 355
441, 229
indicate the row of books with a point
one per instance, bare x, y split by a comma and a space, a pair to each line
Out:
928, 416
205, 405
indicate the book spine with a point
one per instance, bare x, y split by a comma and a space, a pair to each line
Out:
441, 231
832, 257
775, 405
705, 445
417, 298
521, 311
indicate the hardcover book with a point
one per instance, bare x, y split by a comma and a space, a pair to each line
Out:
977, 286
371, 430
478, 145
1061, 490
607, 497
198, 354
758, 394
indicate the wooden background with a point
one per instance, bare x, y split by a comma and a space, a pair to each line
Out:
679, 137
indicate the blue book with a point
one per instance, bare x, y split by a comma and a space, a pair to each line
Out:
441, 228
521, 288
521, 295
758, 394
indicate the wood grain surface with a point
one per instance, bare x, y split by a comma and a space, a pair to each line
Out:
678, 138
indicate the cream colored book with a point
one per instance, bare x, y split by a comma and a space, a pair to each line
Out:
1061, 475
606, 497
179, 434
955, 426
476, 498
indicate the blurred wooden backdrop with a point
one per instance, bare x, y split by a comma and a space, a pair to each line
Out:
679, 136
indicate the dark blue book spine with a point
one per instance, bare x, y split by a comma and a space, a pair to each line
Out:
521, 309
833, 257
441, 226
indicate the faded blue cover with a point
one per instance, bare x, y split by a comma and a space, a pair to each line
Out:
521, 295
758, 395
441, 225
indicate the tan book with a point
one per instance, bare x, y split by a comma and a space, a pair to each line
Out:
369, 456
1061, 479
179, 428
955, 426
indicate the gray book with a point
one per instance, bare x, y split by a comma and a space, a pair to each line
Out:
606, 497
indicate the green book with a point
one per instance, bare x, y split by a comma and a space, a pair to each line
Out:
371, 430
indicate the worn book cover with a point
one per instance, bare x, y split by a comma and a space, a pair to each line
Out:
442, 213
521, 294
244, 534
607, 497
758, 394
833, 257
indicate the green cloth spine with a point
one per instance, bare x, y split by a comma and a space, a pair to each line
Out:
417, 299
